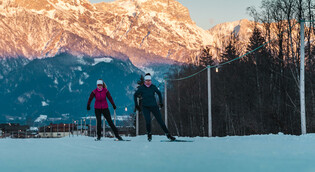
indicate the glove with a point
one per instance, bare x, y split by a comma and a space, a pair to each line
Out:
161, 105
88, 107
138, 108
114, 106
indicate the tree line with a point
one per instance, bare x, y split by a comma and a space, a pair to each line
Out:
258, 94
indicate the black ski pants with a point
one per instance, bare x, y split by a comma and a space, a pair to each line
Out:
157, 114
106, 113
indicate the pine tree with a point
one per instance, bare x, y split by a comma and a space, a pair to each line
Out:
206, 57
256, 40
259, 72
230, 81
230, 51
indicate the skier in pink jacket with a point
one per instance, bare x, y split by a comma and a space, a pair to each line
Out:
101, 107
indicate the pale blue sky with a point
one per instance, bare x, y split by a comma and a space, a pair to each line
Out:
208, 13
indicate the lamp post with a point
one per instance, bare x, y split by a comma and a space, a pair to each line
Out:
209, 103
302, 81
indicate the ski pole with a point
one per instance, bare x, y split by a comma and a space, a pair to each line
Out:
115, 117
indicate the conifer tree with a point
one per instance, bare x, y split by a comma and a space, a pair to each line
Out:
206, 57
259, 70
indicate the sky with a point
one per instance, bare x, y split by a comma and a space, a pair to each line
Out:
208, 13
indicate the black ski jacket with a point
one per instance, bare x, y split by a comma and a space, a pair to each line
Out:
147, 94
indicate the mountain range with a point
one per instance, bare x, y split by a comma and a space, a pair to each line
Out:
53, 51
145, 31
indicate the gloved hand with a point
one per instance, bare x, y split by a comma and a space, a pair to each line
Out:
137, 107
88, 107
161, 105
114, 106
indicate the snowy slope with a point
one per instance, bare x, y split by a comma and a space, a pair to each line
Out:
239, 153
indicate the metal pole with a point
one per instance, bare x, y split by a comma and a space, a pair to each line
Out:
165, 99
51, 133
73, 128
84, 126
69, 130
81, 127
302, 81
77, 124
209, 103
90, 126
137, 120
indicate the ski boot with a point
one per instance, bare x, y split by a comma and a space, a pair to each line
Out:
170, 137
98, 138
119, 138
149, 137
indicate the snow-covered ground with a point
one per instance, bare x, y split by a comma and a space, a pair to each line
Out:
239, 153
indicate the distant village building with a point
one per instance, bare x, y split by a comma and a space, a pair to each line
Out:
15, 130
57, 130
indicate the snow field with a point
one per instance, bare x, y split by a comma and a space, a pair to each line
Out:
237, 153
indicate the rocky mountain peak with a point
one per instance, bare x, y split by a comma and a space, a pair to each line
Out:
170, 9
145, 31
47, 5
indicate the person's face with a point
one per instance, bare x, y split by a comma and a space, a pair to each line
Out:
147, 82
100, 86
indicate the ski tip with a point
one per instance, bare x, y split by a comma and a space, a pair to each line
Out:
122, 140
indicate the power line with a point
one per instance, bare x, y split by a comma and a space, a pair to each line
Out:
230, 61
187, 76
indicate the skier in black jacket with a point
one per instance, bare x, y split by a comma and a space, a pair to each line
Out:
147, 92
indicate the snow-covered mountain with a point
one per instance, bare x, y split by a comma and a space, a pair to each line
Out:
146, 31
221, 34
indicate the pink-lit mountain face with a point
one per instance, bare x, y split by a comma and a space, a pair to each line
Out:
143, 30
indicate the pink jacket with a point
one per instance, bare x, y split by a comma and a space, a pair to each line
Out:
100, 98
